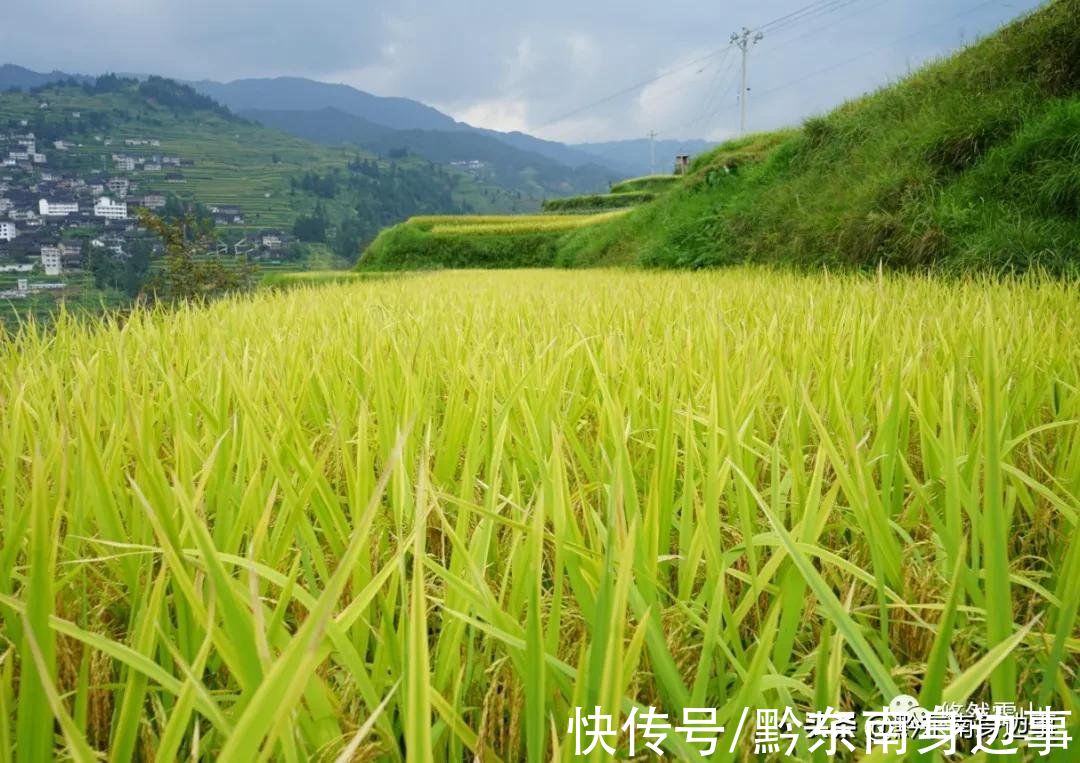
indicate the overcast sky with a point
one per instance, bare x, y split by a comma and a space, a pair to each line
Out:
519, 65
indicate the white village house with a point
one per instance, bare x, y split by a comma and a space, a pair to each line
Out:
53, 257
52, 260
48, 208
8, 231
110, 210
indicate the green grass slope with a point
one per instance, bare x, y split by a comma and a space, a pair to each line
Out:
598, 201
478, 241
648, 183
972, 163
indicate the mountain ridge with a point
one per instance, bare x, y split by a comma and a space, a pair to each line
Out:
275, 95
278, 94
487, 157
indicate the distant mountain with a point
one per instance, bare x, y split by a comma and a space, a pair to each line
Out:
482, 152
273, 97
298, 94
20, 78
634, 156
559, 152
325, 125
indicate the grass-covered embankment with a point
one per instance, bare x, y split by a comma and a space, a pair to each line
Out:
648, 183
598, 201
476, 241
424, 518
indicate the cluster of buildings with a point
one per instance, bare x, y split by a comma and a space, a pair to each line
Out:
103, 207
22, 152
53, 214
48, 210
149, 163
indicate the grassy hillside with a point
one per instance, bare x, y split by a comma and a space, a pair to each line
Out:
239, 162
510, 241
973, 162
424, 518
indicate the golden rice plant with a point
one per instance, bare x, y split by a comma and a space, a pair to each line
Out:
424, 518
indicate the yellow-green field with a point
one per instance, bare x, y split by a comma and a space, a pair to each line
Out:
424, 518
507, 224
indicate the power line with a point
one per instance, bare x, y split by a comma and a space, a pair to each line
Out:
722, 83
744, 41
790, 18
831, 24
877, 50
814, 10
630, 89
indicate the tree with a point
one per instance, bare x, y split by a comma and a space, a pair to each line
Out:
190, 273
351, 235
312, 228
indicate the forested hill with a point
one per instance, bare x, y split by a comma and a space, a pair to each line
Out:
272, 178
487, 158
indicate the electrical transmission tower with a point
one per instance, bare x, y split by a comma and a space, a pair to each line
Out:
652, 152
744, 41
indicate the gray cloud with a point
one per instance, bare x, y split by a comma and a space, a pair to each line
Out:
518, 65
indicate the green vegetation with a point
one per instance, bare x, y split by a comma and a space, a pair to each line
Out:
628, 193
186, 273
423, 518
598, 201
649, 183
478, 241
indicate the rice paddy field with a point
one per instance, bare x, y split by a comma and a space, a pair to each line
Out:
424, 518
467, 225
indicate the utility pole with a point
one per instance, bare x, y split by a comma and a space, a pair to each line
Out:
652, 152
744, 41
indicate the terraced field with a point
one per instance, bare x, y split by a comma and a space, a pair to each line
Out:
477, 241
